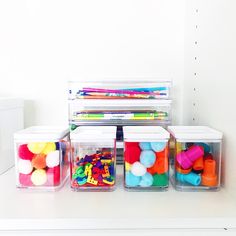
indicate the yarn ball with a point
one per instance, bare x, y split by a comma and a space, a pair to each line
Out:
25, 180
160, 180
53, 176
132, 152
39, 161
53, 159
131, 180
39, 177
24, 166
138, 169
147, 158
24, 153
50, 147
145, 145
36, 148
158, 146
127, 166
146, 180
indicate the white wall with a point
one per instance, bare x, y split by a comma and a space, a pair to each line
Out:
213, 100
47, 42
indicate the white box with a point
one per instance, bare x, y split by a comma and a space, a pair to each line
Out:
11, 120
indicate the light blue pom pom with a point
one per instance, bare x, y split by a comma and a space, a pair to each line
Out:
147, 158
131, 180
158, 146
145, 146
146, 180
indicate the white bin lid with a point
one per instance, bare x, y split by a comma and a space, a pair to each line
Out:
145, 133
98, 133
194, 133
11, 103
38, 133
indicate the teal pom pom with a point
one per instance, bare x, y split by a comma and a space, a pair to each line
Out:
146, 180
145, 145
131, 180
147, 158
158, 146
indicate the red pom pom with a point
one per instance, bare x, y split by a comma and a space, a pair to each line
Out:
132, 152
25, 180
24, 153
53, 176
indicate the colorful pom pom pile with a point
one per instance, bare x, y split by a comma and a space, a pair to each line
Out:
39, 164
146, 164
95, 170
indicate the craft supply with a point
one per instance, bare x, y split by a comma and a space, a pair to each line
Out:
147, 158
53, 159
24, 153
150, 93
138, 169
132, 152
120, 115
197, 158
186, 159
191, 178
146, 180
209, 177
143, 161
132, 180
93, 158
24, 166
39, 161
42, 157
39, 177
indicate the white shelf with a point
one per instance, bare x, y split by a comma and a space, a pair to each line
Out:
65, 209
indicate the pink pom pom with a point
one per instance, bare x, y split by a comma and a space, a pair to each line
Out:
25, 180
53, 176
24, 153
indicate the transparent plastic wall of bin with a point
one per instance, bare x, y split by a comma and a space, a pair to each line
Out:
196, 164
93, 158
146, 165
42, 156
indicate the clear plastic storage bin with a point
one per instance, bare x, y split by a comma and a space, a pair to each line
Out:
197, 158
117, 112
123, 88
42, 157
146, 158
93, 158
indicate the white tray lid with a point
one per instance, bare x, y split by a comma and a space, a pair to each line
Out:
145, 133
194, 132
98, 133
11, 103
42, 133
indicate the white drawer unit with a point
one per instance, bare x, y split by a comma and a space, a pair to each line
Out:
11, 120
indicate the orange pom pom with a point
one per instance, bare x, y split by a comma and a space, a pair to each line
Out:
39, 161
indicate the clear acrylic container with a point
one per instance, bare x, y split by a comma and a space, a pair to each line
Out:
119, 112
146, 165
42, 157
120, 88
197, 158
93, 158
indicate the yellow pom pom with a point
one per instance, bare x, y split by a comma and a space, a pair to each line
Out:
39, 177
50, 147
127, 166
36, 148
